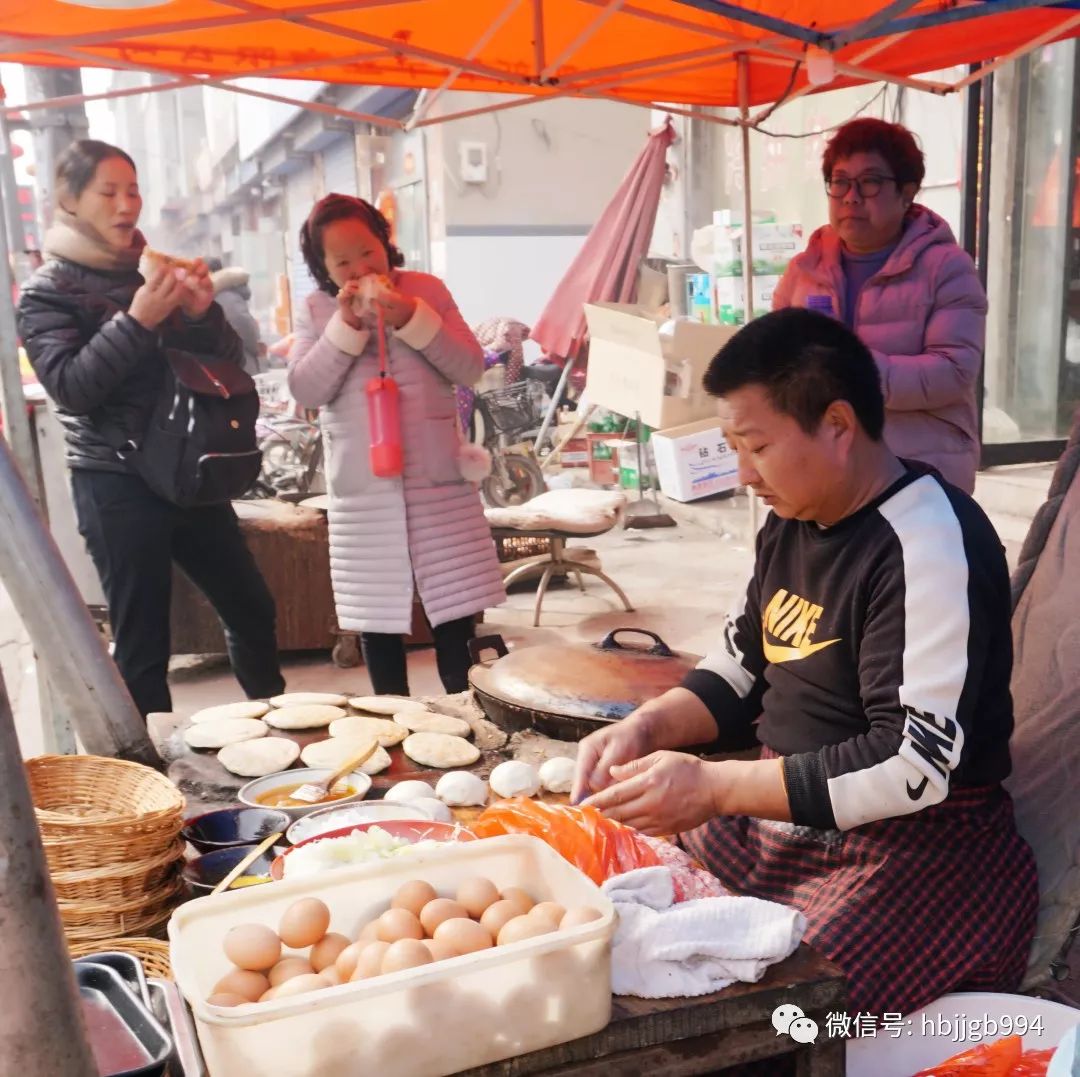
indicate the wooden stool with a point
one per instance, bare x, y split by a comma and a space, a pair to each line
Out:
557, 563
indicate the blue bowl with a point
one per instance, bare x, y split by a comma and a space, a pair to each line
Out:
204, 872
230, 827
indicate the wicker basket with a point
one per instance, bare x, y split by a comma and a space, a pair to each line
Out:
93, 851
85, 921
153, 953
89, 796
117, 884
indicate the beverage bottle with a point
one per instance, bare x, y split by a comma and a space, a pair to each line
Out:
386, 455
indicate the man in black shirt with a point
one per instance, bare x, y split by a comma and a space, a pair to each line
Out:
870, 656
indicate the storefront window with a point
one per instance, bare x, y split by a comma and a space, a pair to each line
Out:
1032, 380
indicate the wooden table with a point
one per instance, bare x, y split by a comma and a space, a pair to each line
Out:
681, 1037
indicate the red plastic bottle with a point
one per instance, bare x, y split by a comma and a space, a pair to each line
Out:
384, 424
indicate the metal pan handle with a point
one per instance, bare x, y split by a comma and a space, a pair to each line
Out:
660, 648
480, 644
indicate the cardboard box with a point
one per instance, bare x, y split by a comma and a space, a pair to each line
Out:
772, 247
633, 371
729, 298
575, 453
694, 461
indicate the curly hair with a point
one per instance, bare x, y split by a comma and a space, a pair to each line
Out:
869, 135
339, 207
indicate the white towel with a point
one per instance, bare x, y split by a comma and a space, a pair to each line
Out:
664, 950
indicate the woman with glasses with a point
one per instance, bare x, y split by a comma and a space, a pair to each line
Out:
892, 270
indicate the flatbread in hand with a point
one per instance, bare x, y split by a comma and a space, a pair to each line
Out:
386, 732
417, 721
249, 708
223, 731
305, 716
441, 751
300, 699
337, 751
257, 758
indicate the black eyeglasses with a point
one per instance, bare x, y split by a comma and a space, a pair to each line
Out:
866, 186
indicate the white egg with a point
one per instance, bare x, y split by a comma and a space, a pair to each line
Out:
435, 808
515, 779
404, 792
461, 789
557, 775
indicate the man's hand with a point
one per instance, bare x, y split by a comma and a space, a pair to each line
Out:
198, 290
156, 299
621, 742
663, 793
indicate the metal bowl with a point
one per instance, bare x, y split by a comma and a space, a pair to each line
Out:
341, 815
250, 793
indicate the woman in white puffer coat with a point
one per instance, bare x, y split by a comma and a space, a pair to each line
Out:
424, 532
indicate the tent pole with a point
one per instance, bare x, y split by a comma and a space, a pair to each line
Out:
556, 396
748, 228
41, 1028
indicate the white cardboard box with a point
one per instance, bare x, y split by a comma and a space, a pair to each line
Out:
729, 298
632, 371
694, 461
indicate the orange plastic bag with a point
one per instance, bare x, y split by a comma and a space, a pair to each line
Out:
1033, 1064
594, 844
986, 1060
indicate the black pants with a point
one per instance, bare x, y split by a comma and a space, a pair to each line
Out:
384, 656
133, 537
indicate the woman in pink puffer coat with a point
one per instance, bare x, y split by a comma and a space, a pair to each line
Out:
893, 271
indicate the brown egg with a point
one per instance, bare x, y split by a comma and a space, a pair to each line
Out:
331, 975
395, 924
252, 947
439, 949
476, 895
498, 915
413, 895
269, 996
519, 897
405, 954
369, 932
300, 985
327, 950
578, 915
465, 936
435, 912
248, 985
370, 963
552, 910
346, 960
288, 968
227, 998
525, 927
304, 923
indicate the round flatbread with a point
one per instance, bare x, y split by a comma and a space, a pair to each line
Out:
249, 708
386, 732
430, 722
439, 750
300, 699
337, 751
223, 731
304, 716
257, 758
385, 705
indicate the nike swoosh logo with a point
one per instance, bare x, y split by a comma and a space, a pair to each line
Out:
917, 792
777, 655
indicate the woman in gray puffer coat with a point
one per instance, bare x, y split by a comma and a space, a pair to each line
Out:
422, 533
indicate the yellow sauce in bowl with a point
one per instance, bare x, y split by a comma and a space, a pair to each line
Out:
281, 797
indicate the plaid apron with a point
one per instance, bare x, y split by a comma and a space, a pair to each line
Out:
910, 908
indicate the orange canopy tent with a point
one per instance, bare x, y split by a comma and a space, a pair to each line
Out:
642, 52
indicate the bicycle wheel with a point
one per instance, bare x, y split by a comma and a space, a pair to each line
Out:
518, 480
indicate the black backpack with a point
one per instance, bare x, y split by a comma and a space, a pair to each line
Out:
198, 446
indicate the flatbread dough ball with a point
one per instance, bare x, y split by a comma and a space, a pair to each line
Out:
257, 758
515, 779
557, 775
462, 789
407, 791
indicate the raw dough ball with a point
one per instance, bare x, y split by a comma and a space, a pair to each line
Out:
386, 732
257, 758
515, 779
438, 811
417, 721
441, 751
337, 751
301, 699
385, 705
557, 775
403, 792
247, 709
224, 731
304, 716
462, 789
